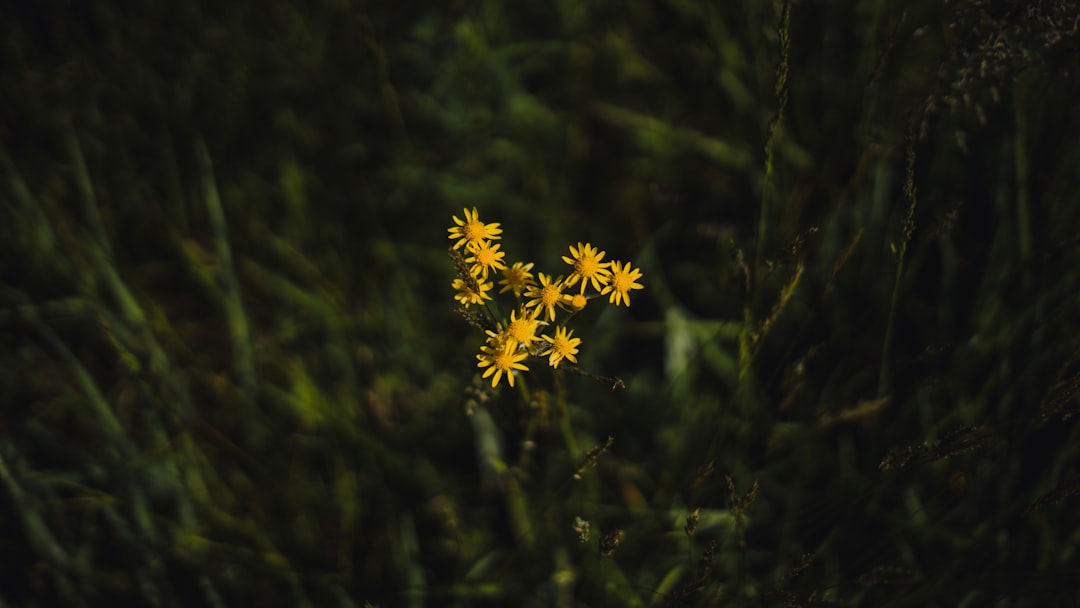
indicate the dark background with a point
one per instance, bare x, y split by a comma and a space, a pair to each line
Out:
232, 373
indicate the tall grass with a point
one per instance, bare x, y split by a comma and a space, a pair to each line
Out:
232, 374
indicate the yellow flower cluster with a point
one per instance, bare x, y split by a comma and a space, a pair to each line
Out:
512, 341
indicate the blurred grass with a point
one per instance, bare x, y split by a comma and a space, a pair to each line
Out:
231, 372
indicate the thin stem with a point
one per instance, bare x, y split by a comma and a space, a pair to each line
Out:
908, 230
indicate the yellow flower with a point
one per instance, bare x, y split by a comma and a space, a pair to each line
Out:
517, 278
471, 231
562, 347
587, 267
485, 257
467, 296
547, 295
578, 301
501, 358
622, 281
521, 331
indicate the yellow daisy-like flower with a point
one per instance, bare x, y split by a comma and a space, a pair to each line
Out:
521, 331
467, 296
499, 359
587, 267
622, 281
546, 295
562, 347
485, 257
518, 277
471, 231
578, 301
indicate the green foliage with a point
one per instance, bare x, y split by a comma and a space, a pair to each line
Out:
231, 372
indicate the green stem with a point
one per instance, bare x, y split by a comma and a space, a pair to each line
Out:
886, 358
908, 230
781, 99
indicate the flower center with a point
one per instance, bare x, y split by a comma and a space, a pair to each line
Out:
621, 282
586, 267
474, 231
550, 295
486, 257
519, 331
503, 360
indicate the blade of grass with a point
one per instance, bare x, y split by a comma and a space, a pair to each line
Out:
409, 554
1023, 175
118, 444
37, 223
86, 189
236, 317
653, 130
908, 229
39, 535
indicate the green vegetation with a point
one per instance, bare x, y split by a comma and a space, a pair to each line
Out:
233, 372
